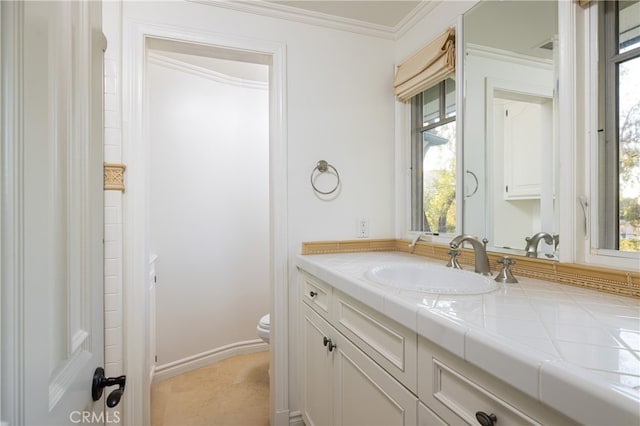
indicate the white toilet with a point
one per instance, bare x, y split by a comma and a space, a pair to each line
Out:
263, 328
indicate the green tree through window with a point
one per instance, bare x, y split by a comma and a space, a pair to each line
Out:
434, 159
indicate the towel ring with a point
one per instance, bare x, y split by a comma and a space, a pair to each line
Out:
323, 167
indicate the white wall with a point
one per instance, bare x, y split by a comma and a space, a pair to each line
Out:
339, 108
340, 101
209, 154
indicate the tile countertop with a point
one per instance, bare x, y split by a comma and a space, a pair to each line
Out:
574, 349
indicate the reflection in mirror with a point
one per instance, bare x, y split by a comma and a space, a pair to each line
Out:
509, 143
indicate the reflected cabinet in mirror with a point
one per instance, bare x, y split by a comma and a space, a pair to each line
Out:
510, 127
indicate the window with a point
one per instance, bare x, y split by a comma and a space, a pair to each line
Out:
619, 125
433, 159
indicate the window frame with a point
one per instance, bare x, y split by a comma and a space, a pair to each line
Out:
609, 228
416, 207
593, 210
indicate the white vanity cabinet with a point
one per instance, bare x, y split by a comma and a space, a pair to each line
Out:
463, 355
343, 380
458, 392
362, 368
343, 386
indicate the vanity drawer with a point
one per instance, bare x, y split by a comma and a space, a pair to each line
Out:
456, 390
465, 398
391, 345
316, 294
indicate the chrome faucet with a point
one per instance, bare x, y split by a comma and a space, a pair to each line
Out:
421, 236
480, 250
531, 248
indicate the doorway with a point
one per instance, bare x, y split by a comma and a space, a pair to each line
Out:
208, 131
137, 206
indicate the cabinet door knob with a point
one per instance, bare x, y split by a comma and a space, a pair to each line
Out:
486, 419
327, 342
313, 293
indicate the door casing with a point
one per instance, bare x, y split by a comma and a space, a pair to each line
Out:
136, 209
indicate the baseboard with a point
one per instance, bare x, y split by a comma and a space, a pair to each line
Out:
175, 368
295, 418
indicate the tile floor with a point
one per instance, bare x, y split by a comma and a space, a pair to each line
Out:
234, 391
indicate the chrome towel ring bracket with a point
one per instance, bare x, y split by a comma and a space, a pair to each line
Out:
324, 167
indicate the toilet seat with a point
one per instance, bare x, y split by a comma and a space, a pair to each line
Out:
263, 327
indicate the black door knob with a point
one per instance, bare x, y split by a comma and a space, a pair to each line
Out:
100, 382
486, 419
313, 293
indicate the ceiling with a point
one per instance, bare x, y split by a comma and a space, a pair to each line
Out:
516, 26
386, 13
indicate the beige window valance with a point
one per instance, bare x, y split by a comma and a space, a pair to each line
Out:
427, 67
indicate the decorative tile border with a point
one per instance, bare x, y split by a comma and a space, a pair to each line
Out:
114, 176
355, 246
624, 283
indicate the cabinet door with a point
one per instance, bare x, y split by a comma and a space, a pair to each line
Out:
317, 368
525, 132
365, 394
426, 417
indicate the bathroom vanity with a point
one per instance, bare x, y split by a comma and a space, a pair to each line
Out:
528, 353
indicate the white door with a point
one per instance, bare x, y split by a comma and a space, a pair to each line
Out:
52, 207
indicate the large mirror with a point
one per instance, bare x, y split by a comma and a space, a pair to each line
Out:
509, 126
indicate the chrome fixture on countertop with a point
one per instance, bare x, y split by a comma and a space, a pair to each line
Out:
505, 275
420, 236
480, 250
453, 259
531, 248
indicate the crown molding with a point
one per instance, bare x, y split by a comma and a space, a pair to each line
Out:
207, 73
411, 19
505, 55
279, 11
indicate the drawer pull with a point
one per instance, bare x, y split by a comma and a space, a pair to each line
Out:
486, 419
328, 342
313, 293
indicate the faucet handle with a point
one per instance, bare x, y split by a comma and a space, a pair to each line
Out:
505, 275
453, 258
506, 261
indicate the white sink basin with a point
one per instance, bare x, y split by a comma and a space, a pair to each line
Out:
427, 278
